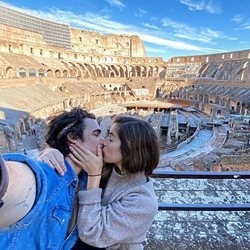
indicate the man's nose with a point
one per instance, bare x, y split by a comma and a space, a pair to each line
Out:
101, 138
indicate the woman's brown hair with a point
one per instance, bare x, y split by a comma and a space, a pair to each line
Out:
139, 145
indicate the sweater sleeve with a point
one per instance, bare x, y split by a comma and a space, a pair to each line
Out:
125, 220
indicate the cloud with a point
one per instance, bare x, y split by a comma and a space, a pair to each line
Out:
237, 18
202, 34
140, 12
151, 26
241, 21
155, 50
208, 6
117, 3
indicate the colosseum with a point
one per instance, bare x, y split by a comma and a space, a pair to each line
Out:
198, 105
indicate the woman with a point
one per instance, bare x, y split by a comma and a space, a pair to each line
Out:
118, 216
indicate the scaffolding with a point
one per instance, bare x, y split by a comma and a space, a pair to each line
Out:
53, 33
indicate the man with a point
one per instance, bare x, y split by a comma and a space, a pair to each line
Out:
42, 205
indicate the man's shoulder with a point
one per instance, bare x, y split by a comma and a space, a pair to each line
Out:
38, 167
17, 157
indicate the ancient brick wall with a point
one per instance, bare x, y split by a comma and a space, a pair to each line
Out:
233, 55
235, 159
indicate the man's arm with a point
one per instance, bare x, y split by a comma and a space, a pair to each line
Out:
17, 191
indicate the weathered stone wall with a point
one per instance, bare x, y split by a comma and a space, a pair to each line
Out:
235, 159
14, 34
232, 55
90, 42
4, 146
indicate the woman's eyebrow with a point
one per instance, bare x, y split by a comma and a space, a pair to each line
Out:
110, 133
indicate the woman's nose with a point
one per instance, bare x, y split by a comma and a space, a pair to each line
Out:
103, 143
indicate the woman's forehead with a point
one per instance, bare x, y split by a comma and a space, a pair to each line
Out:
114, 128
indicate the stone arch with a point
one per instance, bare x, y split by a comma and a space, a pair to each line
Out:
217, 100
22, 72
41, 73
243, 107
105, 71
156, 71
121, 71
162, 72
72, 69
99, 72
65, 73
223, 102
49, 73
32, 72
228, 103
1, 73
125, 70
114, 69
57, 73
91, 70
243, 71
111, 72
238, 105
143, 71
96, 70
137, 71
84, 70
150, 71
10, 72
132, 71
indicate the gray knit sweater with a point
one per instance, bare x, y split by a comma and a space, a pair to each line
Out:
120, 216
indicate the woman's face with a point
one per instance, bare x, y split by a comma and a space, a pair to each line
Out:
111, 149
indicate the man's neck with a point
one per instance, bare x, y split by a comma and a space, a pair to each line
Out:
76, 168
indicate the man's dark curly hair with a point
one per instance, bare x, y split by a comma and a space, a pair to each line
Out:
71, 122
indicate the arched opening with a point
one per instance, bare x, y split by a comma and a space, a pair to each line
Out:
10, 72
65, 73
41, 73
57, 73
238, 107
22, 72
32, 72
49, 73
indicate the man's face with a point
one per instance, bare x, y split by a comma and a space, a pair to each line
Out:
92, 135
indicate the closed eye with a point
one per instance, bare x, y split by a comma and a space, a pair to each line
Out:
97, 133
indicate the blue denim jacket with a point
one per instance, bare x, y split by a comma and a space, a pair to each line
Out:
46, 225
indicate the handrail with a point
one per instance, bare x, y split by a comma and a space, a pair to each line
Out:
204, 207
200, 175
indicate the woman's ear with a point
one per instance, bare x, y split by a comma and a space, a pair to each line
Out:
72, 138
